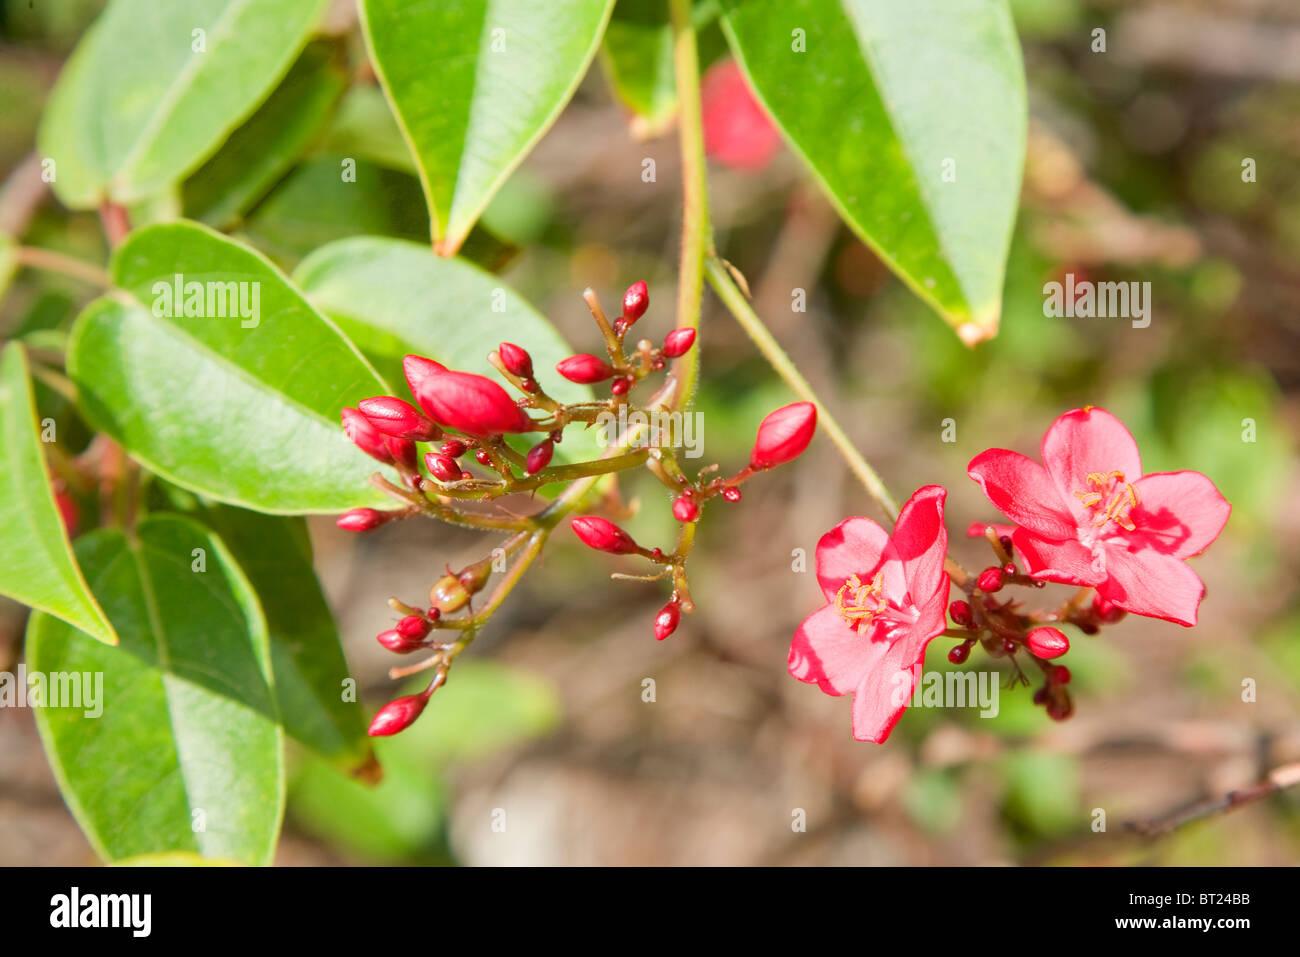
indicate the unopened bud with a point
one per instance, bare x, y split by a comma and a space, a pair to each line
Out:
584, 369
636, 301
474, 577
731, 493
448, 595
603, 535
399, 643
620, 386
958, 654
417, 369
990, 580
470, 403
442, 467
961, 613
404, 453
414, 626
365, 436
1047, 642
398, 715
454, 448
784, 435
686, 508
362, 519
667, 620
539, 456
678, 342
396, 417
516, 360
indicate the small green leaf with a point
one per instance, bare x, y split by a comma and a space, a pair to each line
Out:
186, 753
912, 117
38, 567
638, 58
306, 656
475, 85
258, 153
153, 89
239, 407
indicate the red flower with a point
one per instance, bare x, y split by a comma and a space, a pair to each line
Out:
783, 435
737, 132
887, 598
1088, 516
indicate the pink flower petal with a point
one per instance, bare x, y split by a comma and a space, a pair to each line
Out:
886, 689
853, 547
1022, 490
1148, 583
828, 653
1066, 562
737, 132
1178, 513
1084, 441
920, 541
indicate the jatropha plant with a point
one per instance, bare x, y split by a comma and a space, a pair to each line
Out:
1086, 516
463, 416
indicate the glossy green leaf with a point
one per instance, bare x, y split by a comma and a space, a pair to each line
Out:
474, 85
241, 409
262, 150
912, 117
637, 54
186, 753
393, 297
311, 673
154, 88
38, 568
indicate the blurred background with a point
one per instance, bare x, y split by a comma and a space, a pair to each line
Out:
1134, 172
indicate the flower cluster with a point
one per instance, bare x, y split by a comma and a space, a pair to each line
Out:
465, 444
1086, 516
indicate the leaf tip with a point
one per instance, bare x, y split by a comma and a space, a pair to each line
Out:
981, 327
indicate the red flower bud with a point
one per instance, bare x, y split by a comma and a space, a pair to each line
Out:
990, 580
678, 342
67, 511
399, 643
1047, 642
584, 369
685, 508
362, 519
958, 654
365, 436
783, 435
1106, 611
731, 493
470, 403
397, 715
620, 386
413, 626
667, 619
442, 467
393, 416
417, 369
539, 456
404, 453
516, 360
1060, 707
454, 448
961, 613
603, 535
636, 301
1061, 675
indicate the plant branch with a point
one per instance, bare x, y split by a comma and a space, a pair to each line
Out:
1278, 780
50, 261
735, 301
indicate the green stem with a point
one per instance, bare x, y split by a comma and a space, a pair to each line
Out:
762, 337
33, 257
695, 201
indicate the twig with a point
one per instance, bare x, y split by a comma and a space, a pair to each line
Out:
1277, 780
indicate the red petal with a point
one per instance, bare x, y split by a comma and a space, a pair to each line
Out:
1066, 562
828, 653
1022, 490
1083, 441
737, 132
1148, 583
921, 542
886, 690
853, 547
1178, 513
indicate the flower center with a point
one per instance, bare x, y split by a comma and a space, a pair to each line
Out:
859, 603
1110, 498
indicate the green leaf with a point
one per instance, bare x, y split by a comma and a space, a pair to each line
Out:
146, 96
637, 54
187, 754
38, 568
243, 410
306, 656
912, 117
263, 149
315, 205
365, 127
475, 85
391, 297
